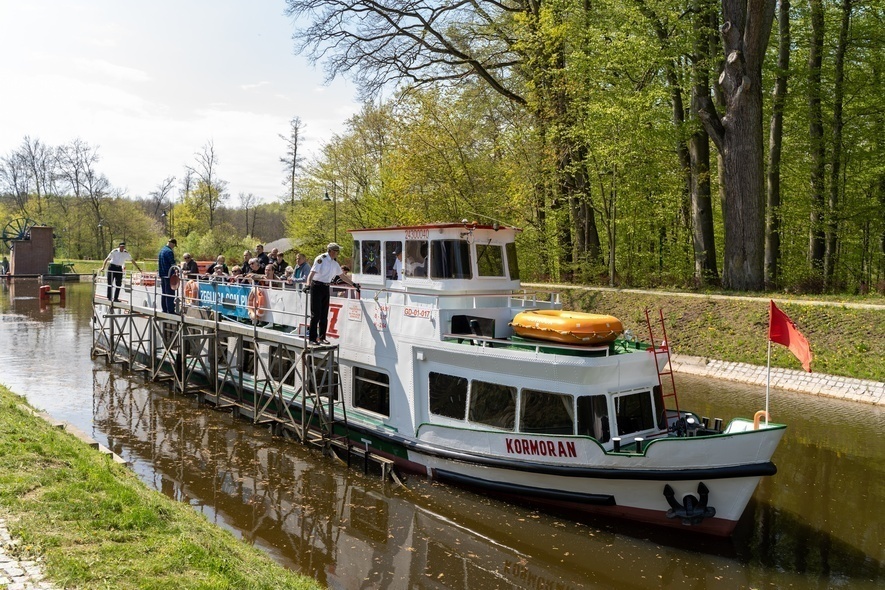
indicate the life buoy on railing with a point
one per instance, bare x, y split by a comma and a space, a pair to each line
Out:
256, 303
757, 418
191, 291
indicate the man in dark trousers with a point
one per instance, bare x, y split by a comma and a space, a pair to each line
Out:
166, 263
115, 262
325, 269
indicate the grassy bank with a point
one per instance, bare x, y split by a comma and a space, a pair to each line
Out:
844, 341
97, 526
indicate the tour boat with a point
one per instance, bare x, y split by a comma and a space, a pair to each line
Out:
427, 369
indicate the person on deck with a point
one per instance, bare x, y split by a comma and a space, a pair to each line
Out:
325, 269
302, 268
189, 268
115, 262
218, 262
261, 256
166, 265
279, 263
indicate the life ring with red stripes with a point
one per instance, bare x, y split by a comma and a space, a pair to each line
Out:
256, 303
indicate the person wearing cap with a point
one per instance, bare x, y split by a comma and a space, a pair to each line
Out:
115, 262
325, 269
397, 271
165, 266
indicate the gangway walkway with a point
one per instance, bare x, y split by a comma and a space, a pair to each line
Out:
295, 389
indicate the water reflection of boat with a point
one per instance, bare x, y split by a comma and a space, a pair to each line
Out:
432, 377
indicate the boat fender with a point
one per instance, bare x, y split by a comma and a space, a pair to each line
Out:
257, 303
757, 418
693, 510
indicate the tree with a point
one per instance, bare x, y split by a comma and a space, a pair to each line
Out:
775, 149
292, 161
209, 188
738, 137
248, 202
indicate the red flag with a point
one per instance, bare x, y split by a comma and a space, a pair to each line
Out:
782, 330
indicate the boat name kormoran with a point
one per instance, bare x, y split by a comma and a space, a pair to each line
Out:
547, 448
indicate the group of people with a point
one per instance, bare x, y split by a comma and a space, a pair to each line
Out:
261, 269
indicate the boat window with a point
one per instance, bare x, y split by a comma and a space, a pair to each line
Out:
634, 412
357, 259
490, 260
415, 259
512, 261
493, 404
371, 257
371, 390
390, 250
450, 259
593, 417
547, 413
448, 395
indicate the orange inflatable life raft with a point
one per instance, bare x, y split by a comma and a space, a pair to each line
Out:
567, 327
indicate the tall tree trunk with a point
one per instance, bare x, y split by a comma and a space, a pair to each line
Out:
738, 137
838, 124
816, 238
775, 145
703, 236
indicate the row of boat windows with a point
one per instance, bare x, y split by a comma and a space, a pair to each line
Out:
438, 259
495, 405
539, 412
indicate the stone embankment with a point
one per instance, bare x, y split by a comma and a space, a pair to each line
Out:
847, 388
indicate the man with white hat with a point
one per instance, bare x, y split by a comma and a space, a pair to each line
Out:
115, 262
324, 270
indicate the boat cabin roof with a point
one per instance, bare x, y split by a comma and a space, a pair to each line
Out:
437, 257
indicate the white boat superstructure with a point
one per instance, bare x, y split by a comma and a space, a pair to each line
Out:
432, 376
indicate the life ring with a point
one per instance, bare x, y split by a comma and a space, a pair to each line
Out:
757, 418
191, 291
257, 303
174, 281
567, 327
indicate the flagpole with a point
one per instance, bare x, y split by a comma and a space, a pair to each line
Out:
768, 383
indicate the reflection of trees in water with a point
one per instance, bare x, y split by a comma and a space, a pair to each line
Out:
341, 527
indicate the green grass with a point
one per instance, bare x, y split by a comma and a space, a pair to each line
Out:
97, 526
844, 341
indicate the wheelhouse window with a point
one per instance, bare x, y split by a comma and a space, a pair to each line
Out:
390, 250
357, 259
493, 404
546, 413
490, 260
415, 259
593, 417
371, 257
450, 259
634, 412
371, 390
448, 395
512, 261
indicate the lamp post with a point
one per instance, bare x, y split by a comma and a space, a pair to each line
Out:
168, 227
334, 200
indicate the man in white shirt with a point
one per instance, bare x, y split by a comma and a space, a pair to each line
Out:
325, 269
115, 262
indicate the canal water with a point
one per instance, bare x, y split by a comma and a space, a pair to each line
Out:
818, 523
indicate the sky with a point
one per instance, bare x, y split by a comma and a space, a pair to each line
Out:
151, 83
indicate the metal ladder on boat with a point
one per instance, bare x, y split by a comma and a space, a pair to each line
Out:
662, 349
324, 408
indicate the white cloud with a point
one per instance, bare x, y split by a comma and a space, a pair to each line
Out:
107, 69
